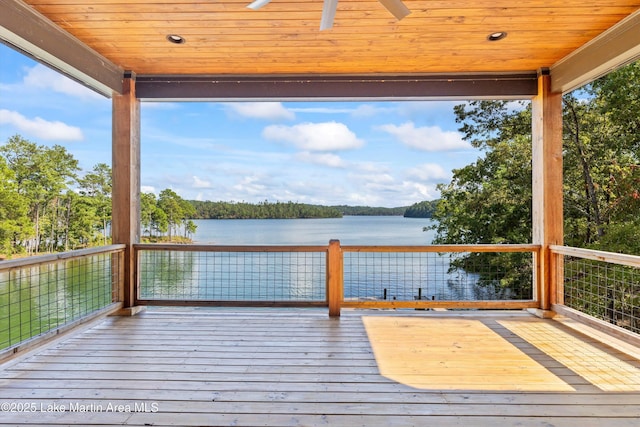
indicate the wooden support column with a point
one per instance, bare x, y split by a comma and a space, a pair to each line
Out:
125, 227
335, 278
547, 182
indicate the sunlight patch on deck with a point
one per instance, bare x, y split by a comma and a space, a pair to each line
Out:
454, 354
600, 368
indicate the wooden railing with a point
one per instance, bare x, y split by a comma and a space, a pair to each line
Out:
599, 288
44, 295
487, 291
217, 275
41, 296
334, 276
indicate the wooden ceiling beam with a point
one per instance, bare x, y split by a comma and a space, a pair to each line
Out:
346, 87
26, 30
614, 48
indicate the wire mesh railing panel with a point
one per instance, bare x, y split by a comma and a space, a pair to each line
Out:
606, 291
38, 298
270, 276
455, 276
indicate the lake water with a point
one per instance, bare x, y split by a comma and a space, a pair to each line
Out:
350, 230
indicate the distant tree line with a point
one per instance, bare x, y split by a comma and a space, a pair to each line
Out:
421, 209
369, 210
290, 210
262, 210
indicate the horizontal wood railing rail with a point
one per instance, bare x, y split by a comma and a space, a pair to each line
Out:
36, 260
335, 299
228, 248
612, 257
445, 248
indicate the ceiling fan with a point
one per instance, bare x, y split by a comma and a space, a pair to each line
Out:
396, 7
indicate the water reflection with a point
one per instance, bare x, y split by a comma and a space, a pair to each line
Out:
35, 300
301, 276
425, 276
232, 276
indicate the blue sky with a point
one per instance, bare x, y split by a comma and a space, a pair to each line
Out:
355, 153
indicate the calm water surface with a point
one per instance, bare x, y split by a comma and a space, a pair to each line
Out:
350, 230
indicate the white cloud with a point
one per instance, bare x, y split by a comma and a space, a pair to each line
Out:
147, 189
417, 191
368, 110
323, 159
41, 77
429, 172
199, 183
371, 167
251, 186
152, 135
362, 199
261, 110
328, 136
40, 128
373, 179
427, 138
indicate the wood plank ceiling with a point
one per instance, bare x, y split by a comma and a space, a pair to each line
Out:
223, 37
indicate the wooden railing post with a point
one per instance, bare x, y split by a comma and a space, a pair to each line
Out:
125, 225
557, 274
547, 181
335, 278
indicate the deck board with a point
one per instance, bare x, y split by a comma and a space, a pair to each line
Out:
292, 367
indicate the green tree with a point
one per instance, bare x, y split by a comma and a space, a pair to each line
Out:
41, 175
188, 211
174, 208
148, 206
14, 221
83, 220
97, 186
190, 229
160, 221
423, 209
602, 171
489, 201
153, 218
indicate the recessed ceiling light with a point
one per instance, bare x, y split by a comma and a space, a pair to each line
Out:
174, 38
498, 35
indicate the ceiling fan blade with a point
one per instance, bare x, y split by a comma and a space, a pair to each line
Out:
257, 4
396, 7
328, 13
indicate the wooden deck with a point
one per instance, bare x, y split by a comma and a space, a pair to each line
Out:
293, 367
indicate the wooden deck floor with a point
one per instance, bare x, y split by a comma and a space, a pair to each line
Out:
278, 367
